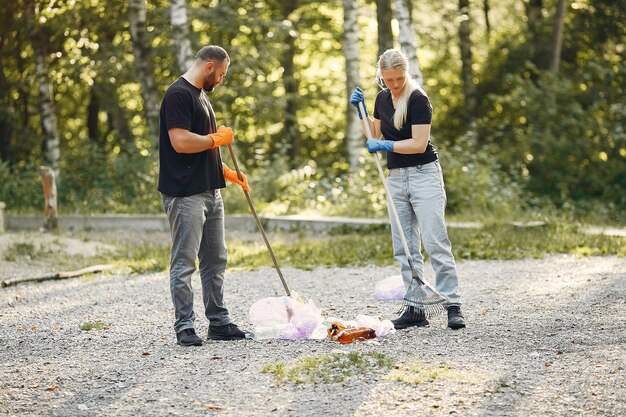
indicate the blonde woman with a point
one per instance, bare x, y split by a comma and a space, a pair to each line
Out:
401, 127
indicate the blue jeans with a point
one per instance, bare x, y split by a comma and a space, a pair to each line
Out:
197, 228
420, 198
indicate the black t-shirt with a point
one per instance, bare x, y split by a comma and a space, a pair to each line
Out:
419, 112
180, 175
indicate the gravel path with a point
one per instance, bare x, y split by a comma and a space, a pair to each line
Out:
545, 338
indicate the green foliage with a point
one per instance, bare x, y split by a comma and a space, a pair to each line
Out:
556, 145
329, 369
538, 140
20, 187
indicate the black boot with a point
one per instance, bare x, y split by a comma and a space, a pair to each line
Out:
455, 318
409, 318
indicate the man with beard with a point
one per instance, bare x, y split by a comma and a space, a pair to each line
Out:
191, 174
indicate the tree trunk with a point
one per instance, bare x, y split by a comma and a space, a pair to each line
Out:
93, 112
408, 39
49, 123
384, 16
467, 74
487, 22
354, 136
143, 62
290, 122
557, 36
180, 35
50, 197
533, 14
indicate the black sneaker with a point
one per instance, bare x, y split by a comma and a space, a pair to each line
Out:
411, 317
227, 332
188, 337
455, 318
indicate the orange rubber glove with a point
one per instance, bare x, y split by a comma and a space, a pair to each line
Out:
231, 176
223, 136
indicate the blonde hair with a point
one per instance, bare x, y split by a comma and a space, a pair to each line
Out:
396, 59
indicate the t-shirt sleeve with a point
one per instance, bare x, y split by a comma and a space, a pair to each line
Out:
420, 110
376, 109
178, 110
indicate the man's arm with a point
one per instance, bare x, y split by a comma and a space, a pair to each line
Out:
184, 141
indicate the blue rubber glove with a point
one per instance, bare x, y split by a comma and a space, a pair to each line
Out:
374, 145
356, 98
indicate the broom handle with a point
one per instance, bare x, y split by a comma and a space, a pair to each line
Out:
392, 206
258, 222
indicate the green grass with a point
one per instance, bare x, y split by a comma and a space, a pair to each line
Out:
328, 369
504, 241
94, 325
372, 246
340, 247
419, 373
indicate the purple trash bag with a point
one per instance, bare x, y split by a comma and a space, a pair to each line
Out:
391, 288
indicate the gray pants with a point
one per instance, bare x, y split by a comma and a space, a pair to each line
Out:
420, 198
197, 227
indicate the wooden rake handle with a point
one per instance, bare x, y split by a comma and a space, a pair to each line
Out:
258, 223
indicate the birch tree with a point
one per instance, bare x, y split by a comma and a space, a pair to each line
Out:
557, 36
143, 63
354, 137
49, 123
467, 74
408, 38
180, 35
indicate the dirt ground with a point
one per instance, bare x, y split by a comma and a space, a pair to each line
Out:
545, 337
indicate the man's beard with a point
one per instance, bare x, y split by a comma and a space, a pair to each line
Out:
209, 83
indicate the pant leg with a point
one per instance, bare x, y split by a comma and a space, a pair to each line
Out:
397, 182
213, 257
186, 217
428, 198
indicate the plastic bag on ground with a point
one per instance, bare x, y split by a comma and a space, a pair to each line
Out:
285, 318
391, 288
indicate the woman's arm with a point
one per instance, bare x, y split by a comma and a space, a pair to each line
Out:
416, 144
374, 127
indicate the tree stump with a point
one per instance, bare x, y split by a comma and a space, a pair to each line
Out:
50, 198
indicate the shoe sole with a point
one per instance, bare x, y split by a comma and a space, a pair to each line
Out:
247, 336
416, 324
456, 326
196, 343
225, 338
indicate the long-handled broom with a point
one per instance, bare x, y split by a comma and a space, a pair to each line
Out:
420, 294
291, 294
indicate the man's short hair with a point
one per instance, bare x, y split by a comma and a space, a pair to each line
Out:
213, 53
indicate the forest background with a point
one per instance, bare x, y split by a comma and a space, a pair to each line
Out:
528, 100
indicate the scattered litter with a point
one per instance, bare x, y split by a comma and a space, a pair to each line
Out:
343, 334
285, 318
391, 288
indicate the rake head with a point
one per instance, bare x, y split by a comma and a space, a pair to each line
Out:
424, 298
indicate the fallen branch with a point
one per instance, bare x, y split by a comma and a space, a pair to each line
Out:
58, 275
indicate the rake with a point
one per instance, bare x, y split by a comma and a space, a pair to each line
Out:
420, 294
291, 294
